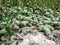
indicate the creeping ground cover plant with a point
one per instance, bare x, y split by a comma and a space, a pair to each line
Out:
12, 19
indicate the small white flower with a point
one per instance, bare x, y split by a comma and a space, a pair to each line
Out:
4, 23
55, 22
24, 22
14, 11
25, 7
25, 11
5, 11
13, 19
17, 22
19, 8
47, 13
45, 9
57, 12
51, 11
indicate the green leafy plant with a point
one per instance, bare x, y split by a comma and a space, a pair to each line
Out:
12, 19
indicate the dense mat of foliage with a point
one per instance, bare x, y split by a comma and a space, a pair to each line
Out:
14, 18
